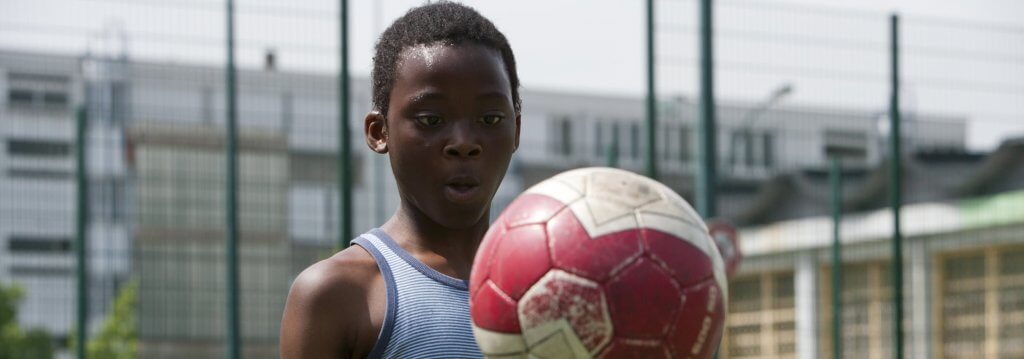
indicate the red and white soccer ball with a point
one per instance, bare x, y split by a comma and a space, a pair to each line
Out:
598, 262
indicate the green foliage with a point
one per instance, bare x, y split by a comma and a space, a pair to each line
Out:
118, 339
16, 343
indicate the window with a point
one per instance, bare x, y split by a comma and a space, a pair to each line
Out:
182, 188
118, 102
37, 244
565, 147
38, 92
667, 143
748, 148
768, 150
44, 148
761, 321
20, 97
287, 112
843, 138
107, 197
735, 148
634, 140
55, 99
866, 315
321, 168
39, 174
685, 146
615, 139
851, 144
982, 304
599, 146
33, 271
207, 104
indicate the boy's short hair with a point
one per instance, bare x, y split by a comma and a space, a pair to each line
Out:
441, 22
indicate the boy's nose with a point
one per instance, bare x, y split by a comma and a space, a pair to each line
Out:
462, 149
463, 144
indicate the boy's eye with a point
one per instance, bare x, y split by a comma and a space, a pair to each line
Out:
491, 119
429, 120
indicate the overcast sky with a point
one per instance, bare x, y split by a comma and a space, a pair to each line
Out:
964, 58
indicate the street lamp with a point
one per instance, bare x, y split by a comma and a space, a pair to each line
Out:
747, 123
774, 98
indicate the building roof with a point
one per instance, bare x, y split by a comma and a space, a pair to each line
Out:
929, 176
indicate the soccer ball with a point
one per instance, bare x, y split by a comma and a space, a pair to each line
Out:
598, 262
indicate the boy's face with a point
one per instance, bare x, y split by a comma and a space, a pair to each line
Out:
450, 130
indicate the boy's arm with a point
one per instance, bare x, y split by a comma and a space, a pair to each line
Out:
326, 309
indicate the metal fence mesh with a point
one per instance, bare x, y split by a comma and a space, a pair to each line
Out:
797, 86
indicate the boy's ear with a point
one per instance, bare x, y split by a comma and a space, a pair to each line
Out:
375, 127
518, 124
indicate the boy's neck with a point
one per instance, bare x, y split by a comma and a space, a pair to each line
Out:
447, 250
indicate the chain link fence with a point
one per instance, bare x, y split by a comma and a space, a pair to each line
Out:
798, 87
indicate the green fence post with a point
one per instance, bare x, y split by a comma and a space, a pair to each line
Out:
706, 133
650, 160
81, 235
896, 193
836, 177
344, 150
233, 350
706, 138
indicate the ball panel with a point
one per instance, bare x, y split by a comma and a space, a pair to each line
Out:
599, 217
643, 301
531, 209
499, 345
493, 310
520, 260
698, 330
575, 179
624, 188
561, 296
555, 340
687, 263
484, 255
677, 203
696, 235
665, 208
626, 348
573, 250
602, 216
559, 190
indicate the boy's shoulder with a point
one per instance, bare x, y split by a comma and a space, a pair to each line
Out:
339, 277
331, 307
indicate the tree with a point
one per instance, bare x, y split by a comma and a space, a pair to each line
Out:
117, 338
16, 343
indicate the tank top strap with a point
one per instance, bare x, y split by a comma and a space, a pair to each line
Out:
391, 307
398, 257
427, 312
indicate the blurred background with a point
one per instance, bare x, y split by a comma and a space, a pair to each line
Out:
120, 106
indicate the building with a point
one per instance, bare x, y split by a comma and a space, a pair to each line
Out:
37, 185
156, 175
963, 280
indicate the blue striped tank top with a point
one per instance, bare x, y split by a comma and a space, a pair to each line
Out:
427, 313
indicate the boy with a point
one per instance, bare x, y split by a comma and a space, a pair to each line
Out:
446, 112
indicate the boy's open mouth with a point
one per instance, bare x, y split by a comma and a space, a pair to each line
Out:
461, 189
462, 186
